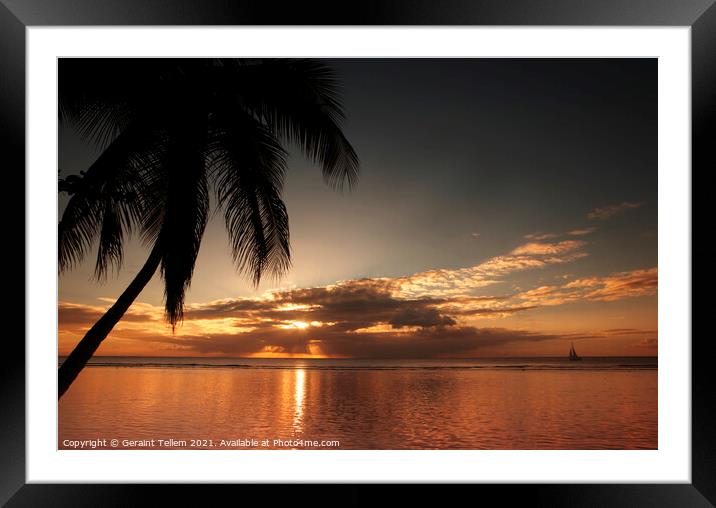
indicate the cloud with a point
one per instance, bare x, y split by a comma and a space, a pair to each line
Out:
362, 318
610, 288
629, 331
349, 306
428, 342
553, 249
581, 232
445, 282
615, 287
430, 313
541, 236
649, 343
71, 314
606, 212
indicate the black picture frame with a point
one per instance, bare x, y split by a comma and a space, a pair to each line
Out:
700, 15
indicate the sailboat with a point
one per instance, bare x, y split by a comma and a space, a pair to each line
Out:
573, 354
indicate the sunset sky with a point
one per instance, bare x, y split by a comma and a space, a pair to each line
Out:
504, 208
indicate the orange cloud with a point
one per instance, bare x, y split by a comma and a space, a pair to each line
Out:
541, 236
543, 249
581, 232
614, 287
355, 318
606, 212
462, 281
431, 313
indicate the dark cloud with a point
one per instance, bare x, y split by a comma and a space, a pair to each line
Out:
651, 342
371, 318
361, 318
606, 212
428, 342
425, 299
350, 306
69, 314
417, 316
629, 331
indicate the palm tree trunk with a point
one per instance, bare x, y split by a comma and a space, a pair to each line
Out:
74, 363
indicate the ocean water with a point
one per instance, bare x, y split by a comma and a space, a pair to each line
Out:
232, 403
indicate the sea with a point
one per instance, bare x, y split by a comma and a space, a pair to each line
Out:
482, 403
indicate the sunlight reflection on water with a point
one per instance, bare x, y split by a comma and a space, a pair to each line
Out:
299, 394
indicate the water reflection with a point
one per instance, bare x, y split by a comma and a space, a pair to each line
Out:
369, 409
299, 395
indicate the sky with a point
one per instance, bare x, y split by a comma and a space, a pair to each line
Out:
505, 207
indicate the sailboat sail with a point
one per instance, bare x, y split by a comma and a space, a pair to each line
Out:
573, 354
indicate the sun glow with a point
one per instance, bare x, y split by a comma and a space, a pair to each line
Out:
295, 306
300, 325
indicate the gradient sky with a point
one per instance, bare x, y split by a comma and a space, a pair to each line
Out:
504, 208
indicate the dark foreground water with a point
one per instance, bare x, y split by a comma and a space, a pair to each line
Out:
517, 403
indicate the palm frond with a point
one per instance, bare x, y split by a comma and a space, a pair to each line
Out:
106, 201
100, 97
184, 215
299, 100
95, 96
248, 169
110, 251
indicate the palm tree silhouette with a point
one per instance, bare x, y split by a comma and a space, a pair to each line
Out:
173, 131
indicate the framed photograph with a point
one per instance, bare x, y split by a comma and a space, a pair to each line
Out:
439, 245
